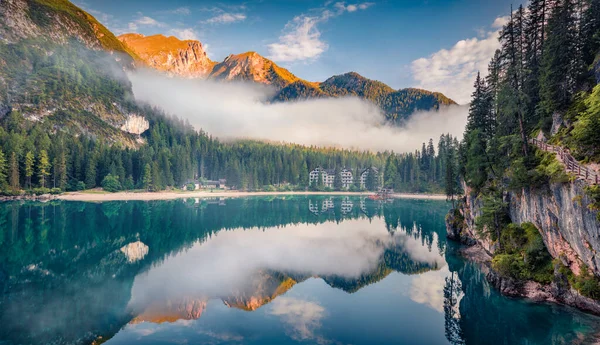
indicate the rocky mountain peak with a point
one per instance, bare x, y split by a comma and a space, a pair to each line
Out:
186, 58
251, 66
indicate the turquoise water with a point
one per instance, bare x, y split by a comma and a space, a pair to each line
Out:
295, 270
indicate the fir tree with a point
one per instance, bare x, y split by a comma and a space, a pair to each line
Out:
3, 171
43, 168
14, 172
29, 163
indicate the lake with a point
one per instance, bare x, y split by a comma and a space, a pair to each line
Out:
284, 270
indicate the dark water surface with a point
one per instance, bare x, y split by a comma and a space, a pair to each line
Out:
308, 270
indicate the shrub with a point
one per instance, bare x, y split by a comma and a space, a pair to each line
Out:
586, 283
510, 265
80, 185
11, 192
111, 183
55, 191
551, 168
594, 193
190, 187
525, 254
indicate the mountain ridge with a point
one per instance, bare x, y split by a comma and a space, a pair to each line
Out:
397, 105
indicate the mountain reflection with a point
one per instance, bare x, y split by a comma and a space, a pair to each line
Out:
77, 273
247, 268
71, 271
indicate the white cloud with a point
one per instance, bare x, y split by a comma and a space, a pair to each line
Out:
184, 34
234, 110
301, 42
226, 18
500, 22
341, 6
302, 317
145, 21
301, 39
183, 11
453, 71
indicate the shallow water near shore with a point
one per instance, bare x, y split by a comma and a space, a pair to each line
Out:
260, 270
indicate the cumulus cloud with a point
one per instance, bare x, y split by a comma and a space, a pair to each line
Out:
453, 71
226, 18
301, 41
236, 110
301, 38
182, 11
184, 34
144, 21
302, 317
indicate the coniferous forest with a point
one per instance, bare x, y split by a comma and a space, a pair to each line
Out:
541, 84
75, 147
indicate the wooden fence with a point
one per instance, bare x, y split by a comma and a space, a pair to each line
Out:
570, 163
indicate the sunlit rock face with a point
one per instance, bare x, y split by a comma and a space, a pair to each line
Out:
135, 251
253, 67
168, 54
262, 289
172, 311
135, 124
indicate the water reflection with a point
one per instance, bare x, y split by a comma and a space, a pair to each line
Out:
254, 271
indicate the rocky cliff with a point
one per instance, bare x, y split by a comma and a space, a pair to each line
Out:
169, 54
569, 227
568, 224
251, 66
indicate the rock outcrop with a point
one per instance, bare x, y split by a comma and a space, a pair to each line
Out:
253, 67
184, 58
568, 225
135, 124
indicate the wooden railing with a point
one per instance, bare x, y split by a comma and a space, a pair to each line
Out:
571, 164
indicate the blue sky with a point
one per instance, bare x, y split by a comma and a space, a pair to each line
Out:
434, 44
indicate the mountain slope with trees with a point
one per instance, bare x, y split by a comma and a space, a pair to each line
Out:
397, 105
540, 84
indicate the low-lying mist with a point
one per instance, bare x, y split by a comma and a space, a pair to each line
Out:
240, 110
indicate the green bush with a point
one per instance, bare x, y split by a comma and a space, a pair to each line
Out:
551, 168
55, 191
40, 191
80, 185
190, 187
594, 193
586, 283
523, 254
11, 192
111, 183
510, 265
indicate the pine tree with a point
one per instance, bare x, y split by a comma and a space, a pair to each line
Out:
450, 176
43, 168
60, 171
556, 80
90, 173
14, 172
147, 177
3, 172
390, 171
337, 180
29, 163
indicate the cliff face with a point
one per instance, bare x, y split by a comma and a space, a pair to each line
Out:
253, 67
570, 229
169, 54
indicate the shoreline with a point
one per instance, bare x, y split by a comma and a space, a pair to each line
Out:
148, 196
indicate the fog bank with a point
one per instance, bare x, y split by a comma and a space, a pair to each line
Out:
239, 110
